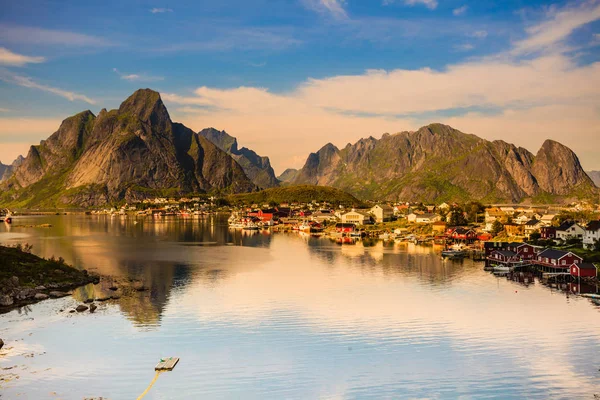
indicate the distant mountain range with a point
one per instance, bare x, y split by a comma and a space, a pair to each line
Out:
128, 154
595, 175
440, 163
136, 152
257, 168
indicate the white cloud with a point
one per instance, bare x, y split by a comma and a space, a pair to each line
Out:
333, 8
138, 77
464, 47
479, 34
160, 10
460, 10
41, 36
7, 57
431, 4
560, 24
4, 110
27, 82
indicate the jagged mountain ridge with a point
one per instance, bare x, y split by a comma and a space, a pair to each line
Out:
257, 168
7, 170
440, 163
130, 153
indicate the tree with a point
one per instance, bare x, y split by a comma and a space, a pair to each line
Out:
534, 237
497, 227
457, 217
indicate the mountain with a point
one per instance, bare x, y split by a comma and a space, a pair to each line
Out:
257, 168
131, 153
288, 175
440, 163
300, 194
595, 176
7, 170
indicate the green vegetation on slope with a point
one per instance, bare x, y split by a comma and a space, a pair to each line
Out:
300, 194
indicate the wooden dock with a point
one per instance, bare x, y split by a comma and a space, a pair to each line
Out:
167, 364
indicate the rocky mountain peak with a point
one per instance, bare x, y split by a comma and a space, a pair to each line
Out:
222, 139
146, 105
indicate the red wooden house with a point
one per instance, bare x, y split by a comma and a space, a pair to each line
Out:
344, 227
548, 232
462, 234
525, 251
583, 270
557, 259
505, 257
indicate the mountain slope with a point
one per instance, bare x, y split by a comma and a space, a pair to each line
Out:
257, 168
288, 175
439, 163
595, 176
128, 154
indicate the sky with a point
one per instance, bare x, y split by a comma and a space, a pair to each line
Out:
288, 76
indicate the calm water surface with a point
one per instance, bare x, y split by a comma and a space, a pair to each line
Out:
283, 316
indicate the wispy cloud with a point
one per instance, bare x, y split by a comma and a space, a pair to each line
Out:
27, 82
40, 36
460, 10
244, 39
9, 58
559, 25
138, 77
464, 47
4, 110
431, 4
160, 10
332, 8
478, 34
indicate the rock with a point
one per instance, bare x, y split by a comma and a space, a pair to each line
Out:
25, 294
40, 288
93, 307
1, 343
139, 286
14, 281
40, 296
55, 294
113, 288
88, 301
81, 308
71, 311
59, 271
102, 298
115, 297
6, 301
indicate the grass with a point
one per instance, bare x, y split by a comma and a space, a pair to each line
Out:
34, 271
299, 194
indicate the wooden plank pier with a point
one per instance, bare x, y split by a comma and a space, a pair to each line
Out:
167, 364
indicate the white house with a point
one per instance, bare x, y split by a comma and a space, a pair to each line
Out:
547, 219
427, 218
570, 230
382, 212
355, 217
591, 234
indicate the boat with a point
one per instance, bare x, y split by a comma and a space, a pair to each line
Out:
5, 216
453, 253
502, 268
591, 295
251, 226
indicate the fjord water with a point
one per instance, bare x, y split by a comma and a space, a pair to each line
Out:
284, 316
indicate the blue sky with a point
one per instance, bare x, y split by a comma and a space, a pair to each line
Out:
307, 72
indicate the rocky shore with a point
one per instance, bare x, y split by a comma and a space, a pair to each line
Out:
26, 278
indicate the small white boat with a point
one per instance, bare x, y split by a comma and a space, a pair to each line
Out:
453, 253
502, 268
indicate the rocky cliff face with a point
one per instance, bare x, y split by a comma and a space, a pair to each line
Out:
257, 168
439, 163
130, 153
5, 171
595, 176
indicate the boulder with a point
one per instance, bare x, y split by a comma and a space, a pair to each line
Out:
1, 343
88, 301
6, 301
93, 307
55, 294
81, 308
40, 296
25, 294
40, 288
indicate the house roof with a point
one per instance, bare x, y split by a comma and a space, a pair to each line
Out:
565, 225
554, 254
462, 231
427, 215
532, 222
593, 226
586, 266
384, 207
506, 253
